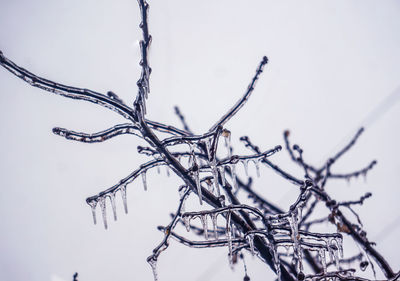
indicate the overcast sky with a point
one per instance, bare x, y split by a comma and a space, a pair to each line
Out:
333, 67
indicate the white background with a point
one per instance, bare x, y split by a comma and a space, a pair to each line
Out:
331, 65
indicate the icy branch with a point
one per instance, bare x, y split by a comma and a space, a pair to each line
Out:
243, 100
67, 91
100, 136
143, 82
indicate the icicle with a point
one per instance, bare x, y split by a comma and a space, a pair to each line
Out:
167, 170
215, 176
114, 209
158, 170
213, 164
257, 164
186, 220
321, 253
93, 205
208, 148
198, 186
331, 251
339, 242
300, 213
203, 219
229, 237
233, 171
221, 170
246, 167
277, 263
364, 174
222, 200
292, 219
144, 180
102, 202
335, 252
250, 239
195, 168
123, 194
215, 226
153, 264
287, 248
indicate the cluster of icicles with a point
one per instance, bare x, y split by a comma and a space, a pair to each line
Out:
195, 165
284, 231
284, 234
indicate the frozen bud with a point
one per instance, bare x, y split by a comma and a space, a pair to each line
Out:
226, 133
364, 265
234, 159
301, 276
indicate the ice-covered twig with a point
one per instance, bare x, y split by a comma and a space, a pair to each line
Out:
143, 82
345, 275
234, 159
115, 97
243, 100
348, 146
146, 150
168, 129
121, 186
182, 119
346, 226
355, 174
67, 91
117, 130
268, 163
208, 243
309, 211
298, 160
185, 139
360, 201
168, 230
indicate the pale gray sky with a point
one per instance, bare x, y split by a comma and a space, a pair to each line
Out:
332, 63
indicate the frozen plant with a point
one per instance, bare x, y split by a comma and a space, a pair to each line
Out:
283, 239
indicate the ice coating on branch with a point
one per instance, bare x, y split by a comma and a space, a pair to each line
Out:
123, 195
102, 202
93, 205
144, 180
